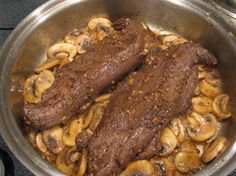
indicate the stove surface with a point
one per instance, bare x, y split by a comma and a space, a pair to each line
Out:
11, 13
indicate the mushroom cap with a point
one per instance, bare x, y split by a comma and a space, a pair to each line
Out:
201, 126
214, 149
221, 106
140, 167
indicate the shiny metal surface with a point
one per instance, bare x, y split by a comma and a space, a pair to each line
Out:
26, 48
226, 6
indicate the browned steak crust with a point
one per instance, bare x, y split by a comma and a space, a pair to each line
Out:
142, 105
80, 81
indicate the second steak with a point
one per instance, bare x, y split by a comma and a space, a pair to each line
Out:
142, 105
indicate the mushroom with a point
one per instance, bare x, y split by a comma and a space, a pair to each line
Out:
94, 23
99, 28
31, 136
50, 156
178, 128
177, 173
214, 149
213, 78
72, 155
29, 93
70, 134
47, 65
40, 143
163, 166
53, 139
103, 98
168, 142
208, 89
200, 148
83, 163
172, 39
201, 126
186, 162
188, 146
202, 104
167, 39
89, 117
140, 167
64, 59
201, 71
43, 82
97, 117
220, 106
58, 48
61, 164
82, 43
72, 36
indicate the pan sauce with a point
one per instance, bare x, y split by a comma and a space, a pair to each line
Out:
187, 144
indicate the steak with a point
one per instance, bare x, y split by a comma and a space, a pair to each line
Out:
80, 81
142, 105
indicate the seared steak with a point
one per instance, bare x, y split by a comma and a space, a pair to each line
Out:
83, 79
142, 105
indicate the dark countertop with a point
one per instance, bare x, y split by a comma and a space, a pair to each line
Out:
11, 13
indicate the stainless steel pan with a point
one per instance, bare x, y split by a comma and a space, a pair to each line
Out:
27, 45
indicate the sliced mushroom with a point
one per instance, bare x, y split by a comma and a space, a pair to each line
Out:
82, 43
65, 61
53, 139
168, 142
201, 126
58, 48
40, 143
172, 39
72, 155
50, 156
83, 163
188, 146
177, 173
187, 162
140, 167
97, 117
103, 98
200, 149
169, 39
75, 128
47, 65
202, 104
72, 36
202, 71
179, 41
102, 32
208, 89
88, 119
29, 93
214, 149
213, 78
99, 28
61, 165
197, 91
32, 138
163, 166
178, 128
43, 82
94, 23
220, 106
